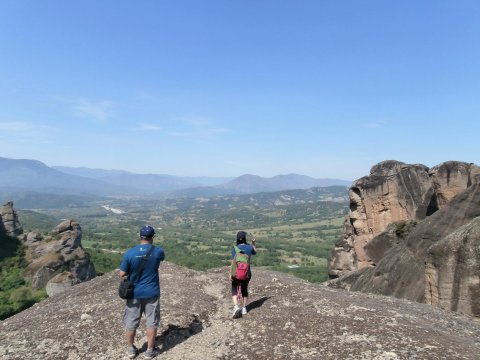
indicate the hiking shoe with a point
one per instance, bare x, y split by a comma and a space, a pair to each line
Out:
132, 352
237, 312
244, 311
151, 353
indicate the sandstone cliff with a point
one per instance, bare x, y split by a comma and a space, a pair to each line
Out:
394, 191
406, 211
288, 319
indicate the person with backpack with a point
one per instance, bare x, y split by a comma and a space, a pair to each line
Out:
240, 273
140, 264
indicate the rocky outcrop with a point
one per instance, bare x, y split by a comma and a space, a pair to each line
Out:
394, 191
429, 260
57, 261
9, 223
451, 178
288, 318
452, 270
60, 259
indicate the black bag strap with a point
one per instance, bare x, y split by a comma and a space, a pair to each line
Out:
145, 259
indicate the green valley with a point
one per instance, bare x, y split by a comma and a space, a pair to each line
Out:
295, 229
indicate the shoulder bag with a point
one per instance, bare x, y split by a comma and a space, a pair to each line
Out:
125, 290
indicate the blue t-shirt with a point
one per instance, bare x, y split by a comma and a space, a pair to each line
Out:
148, 286
246, 248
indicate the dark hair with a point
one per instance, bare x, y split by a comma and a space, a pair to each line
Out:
241, 237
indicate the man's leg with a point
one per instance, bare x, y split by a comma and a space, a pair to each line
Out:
131, 320
152, 315
130, 336
151, 337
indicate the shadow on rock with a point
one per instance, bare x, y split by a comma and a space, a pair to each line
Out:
257, 303
175, 335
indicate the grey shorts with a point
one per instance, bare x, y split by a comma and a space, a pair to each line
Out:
136, 307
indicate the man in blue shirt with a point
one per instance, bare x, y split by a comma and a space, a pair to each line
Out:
242, 285
146, 292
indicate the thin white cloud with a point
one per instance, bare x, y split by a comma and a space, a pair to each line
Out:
150, 127
19, 133
98, 111
198, 127
197, 122
14, 126
24, 127
376, 124
200, 133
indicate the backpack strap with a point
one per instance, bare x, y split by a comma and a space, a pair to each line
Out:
237, 249
142, 265
240, 251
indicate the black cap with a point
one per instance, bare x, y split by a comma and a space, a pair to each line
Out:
147, 232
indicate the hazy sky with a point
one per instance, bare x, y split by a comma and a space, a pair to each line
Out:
228, 87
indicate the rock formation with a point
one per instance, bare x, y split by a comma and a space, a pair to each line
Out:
9, 223
54, 263
394, 191
288, 319
452, 273
59, 262
426, 233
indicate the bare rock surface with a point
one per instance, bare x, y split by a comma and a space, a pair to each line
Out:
288, 319
437, 258
452, 273
395, 191
59, 262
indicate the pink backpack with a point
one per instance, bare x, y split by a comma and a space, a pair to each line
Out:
240, 265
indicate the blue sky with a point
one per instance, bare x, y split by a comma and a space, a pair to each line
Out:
224, 88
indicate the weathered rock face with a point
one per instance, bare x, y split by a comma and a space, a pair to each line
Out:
452, 270
394, 191
61, 282
288, 319
9, 223
451, 178
33, 238
450, 278
61, 260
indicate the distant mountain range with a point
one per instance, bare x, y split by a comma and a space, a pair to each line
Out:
20, 176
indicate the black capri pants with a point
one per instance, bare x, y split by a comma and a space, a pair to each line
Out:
243, 286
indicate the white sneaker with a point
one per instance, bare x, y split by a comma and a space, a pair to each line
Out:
237, 312
244, 311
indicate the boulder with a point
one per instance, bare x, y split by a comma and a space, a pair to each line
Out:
33, 238
60, 283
